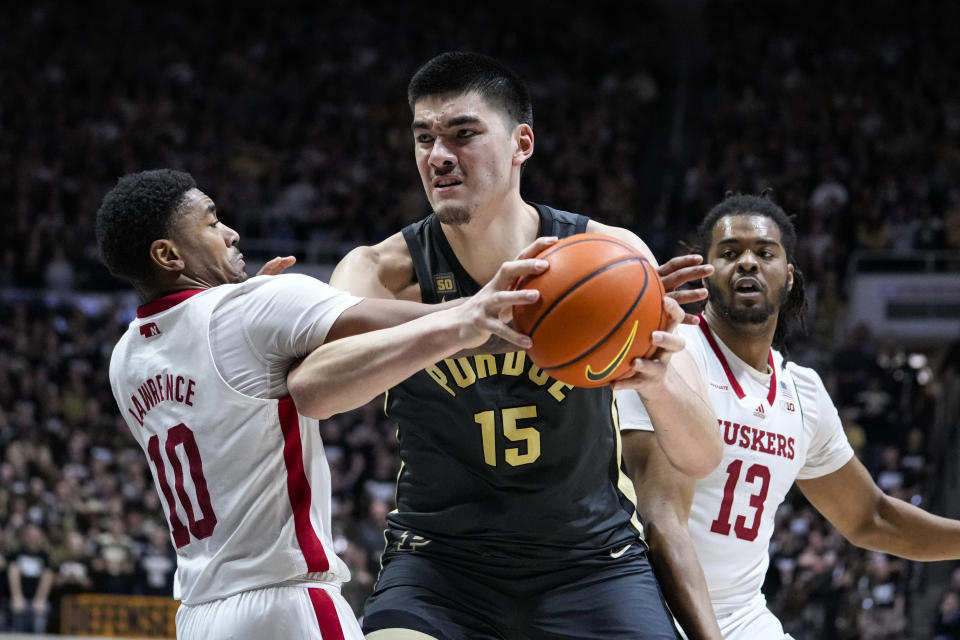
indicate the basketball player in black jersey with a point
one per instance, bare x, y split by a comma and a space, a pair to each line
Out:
513, 518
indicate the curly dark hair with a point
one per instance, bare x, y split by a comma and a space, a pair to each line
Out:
793, 310
463, 72
137, 211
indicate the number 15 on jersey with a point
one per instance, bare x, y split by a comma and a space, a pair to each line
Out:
509, 419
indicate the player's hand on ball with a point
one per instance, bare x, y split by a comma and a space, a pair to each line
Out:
538, 245
534, 249
650, 374
276, 266
677, 272
490, 311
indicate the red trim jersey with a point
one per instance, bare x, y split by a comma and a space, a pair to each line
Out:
777, 426
242, 476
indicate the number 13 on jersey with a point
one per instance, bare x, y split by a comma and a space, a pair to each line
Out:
754, 473
509, 418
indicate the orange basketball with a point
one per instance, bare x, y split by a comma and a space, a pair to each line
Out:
600, 301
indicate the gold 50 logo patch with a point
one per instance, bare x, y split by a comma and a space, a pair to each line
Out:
444, 283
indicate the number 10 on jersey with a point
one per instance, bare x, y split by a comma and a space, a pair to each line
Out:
508, 419
182, 436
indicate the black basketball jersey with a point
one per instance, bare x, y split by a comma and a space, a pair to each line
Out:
498, 458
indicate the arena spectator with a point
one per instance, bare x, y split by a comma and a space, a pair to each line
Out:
30, 578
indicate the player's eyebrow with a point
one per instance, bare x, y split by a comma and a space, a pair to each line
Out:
461, 120
452, 122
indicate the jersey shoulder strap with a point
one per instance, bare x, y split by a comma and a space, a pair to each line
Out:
438, 272
435, 268
556, 222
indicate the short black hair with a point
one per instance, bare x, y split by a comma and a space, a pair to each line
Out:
793, 311
464, 72
137, 211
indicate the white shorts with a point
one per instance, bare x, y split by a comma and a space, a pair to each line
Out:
271, 613
751, 622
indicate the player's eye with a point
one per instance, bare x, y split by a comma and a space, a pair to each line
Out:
424, 138
466, 133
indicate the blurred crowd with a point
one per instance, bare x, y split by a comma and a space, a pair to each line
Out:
295, 121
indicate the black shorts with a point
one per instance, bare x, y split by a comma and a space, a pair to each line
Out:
603, 598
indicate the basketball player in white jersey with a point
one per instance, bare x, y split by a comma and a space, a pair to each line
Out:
203, 379
779, 426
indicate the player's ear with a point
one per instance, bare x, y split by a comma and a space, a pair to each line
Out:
165, 254
523, 137
789, 277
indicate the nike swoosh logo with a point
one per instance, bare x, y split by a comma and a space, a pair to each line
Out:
617, 554
607, 370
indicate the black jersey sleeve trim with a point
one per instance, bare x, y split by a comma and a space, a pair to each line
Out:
421, 270
557, 222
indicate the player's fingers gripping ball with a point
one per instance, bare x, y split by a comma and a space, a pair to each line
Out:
600, 301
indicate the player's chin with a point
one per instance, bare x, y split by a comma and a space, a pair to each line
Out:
452, 213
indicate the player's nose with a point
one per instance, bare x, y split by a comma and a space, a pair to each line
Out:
230, 237
441, 155
747, 261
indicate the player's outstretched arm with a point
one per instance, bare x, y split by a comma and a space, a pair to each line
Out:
869, 518
349, 372
384, 272
664, 496
673, 393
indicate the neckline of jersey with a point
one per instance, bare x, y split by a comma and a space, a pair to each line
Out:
545, 228
163, 303
734, 384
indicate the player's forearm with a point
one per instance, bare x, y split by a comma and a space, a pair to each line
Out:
685, 426
681, 579
901, 529
375, 313
347, 373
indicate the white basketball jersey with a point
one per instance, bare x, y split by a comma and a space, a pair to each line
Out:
776, 427
243, 481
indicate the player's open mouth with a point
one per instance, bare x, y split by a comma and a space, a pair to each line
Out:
445, 183
747, 286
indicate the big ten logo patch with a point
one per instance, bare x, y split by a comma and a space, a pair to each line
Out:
445, 284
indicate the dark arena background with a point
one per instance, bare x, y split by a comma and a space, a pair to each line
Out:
294, 119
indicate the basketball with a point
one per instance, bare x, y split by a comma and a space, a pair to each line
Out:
600, 301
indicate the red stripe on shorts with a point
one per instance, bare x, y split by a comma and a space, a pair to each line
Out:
298, 488
327, 616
